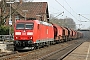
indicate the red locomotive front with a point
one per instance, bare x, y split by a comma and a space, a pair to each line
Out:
23, 33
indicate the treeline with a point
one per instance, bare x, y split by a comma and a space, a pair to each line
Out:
66, 22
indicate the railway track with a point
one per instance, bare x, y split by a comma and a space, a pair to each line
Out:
62, 53
37, 54
13, 55
6, 54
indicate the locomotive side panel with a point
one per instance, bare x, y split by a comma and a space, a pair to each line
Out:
45, 33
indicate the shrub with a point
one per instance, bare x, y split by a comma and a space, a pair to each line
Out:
4, 30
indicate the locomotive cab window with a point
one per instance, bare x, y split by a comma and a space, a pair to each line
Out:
29, 26
20, 26
24, 26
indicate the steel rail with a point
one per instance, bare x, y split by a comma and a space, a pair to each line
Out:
26, 55
63, 55
6, 54
11, 56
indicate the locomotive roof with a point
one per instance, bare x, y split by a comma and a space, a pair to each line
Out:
37, 21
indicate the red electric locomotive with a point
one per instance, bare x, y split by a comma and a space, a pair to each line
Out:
32, 33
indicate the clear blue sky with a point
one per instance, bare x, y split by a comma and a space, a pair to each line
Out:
71, 8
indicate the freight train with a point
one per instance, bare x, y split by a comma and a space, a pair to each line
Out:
35, 33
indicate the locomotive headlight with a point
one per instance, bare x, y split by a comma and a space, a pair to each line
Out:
16, 37
31, 38
29, 33
17, 33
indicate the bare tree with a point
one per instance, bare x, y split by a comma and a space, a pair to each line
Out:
3, 8
66, 22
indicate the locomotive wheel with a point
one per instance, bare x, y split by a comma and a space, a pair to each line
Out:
36, 46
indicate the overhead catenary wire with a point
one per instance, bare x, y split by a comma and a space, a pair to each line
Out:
70, 6
84, 17
66, 9
54, 13
75, 12
60, 14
